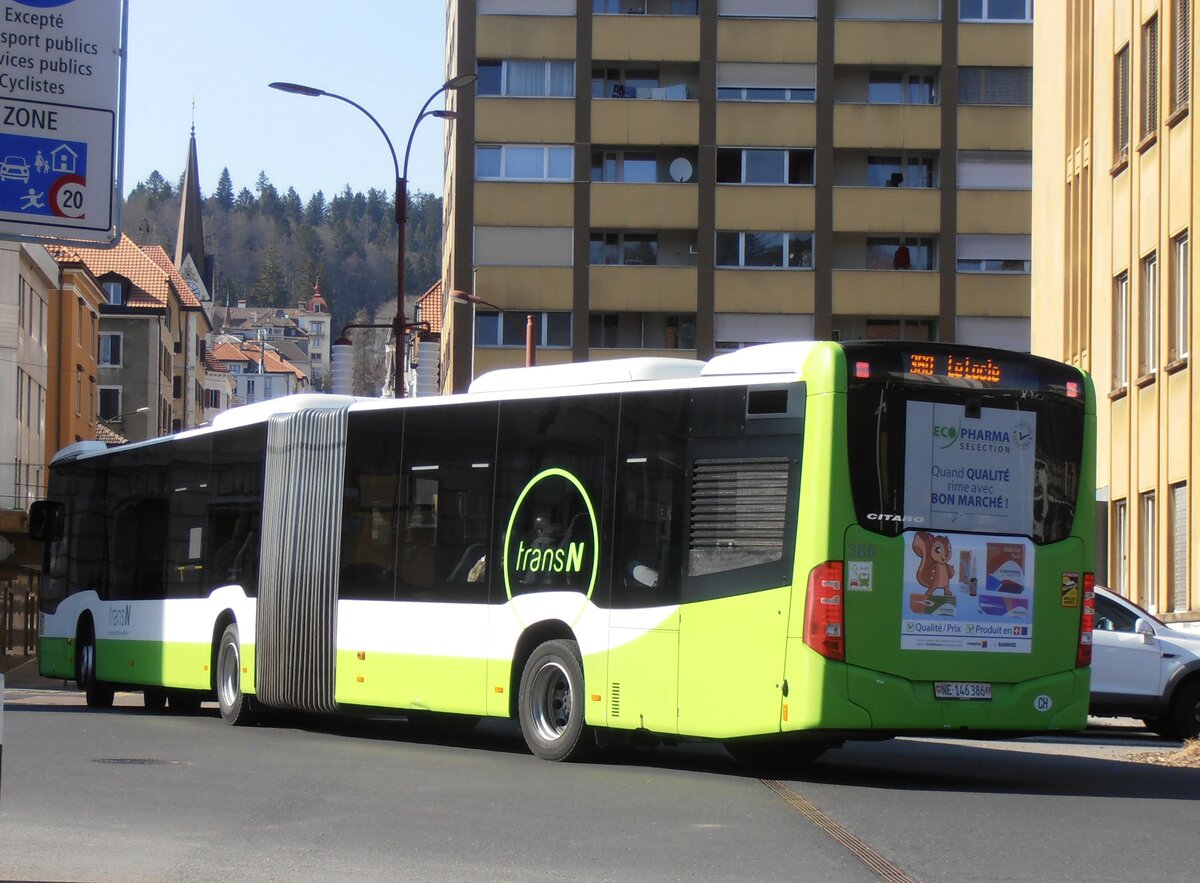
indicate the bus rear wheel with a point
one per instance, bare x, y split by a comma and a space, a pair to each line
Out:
98, 694
550, 702
234, 705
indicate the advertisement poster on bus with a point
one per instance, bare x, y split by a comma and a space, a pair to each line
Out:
969, 470
967, 592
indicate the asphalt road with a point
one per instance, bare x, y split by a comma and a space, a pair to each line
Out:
134, 795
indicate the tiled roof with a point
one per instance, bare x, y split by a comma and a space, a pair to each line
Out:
249, 352
211, 363
433, 307
108, 436
150, 285
159, 255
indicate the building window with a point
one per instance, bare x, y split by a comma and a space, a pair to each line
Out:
767, 8
629, 167
110, 350
110, 402
766, 82
754, 250
995, 170
1150, 77
1011, 86
905, 328
1181, 53
212, 398
994, 253
526, 7
642, 331
523, 162
1178, 317
1178, 541
995, 10
637, 82
526, 79
551, 329
900, 253
1121, 106
115, 292
1147, 553
901, 170
736, 165
177, 386
79, 324
1120, 343
623, 248
901, 87
1148, 317
78, 394
1119, 553
524, 246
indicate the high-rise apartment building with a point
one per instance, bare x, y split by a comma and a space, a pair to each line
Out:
681, 177
1116, 178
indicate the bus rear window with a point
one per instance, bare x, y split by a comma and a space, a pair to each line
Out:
996, 461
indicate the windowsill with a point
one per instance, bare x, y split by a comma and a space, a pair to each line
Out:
1119, 393
1120, 165
1147, 142
1146, 379
1176, 365
1176, 115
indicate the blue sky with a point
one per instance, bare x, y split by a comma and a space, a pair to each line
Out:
387, 55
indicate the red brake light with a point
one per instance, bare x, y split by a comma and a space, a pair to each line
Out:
1087, 617
1072, 389
824, 613
862, 370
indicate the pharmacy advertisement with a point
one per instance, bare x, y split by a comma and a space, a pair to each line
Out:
967, 592
969, 469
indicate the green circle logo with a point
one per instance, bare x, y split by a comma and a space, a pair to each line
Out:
553, 538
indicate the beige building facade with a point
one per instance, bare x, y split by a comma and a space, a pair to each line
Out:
1115, 200
683, 177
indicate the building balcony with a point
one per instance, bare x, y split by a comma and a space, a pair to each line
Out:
616, 121
765, 207
886, 209
525, 120
910, 126
634, 288
905, 43
528, 288
766, 123
995, 44
656, 206
995, 211
886, 292
524, 36
774, 40
993, 294
646, 37
994, 127
765, 291
519, 204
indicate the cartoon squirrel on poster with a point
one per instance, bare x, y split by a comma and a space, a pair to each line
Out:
935, 569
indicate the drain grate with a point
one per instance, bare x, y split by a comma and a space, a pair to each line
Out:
142, 761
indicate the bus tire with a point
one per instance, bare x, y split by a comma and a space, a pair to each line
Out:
551, 702
1185, 710
154, 698
97, 693
234, 705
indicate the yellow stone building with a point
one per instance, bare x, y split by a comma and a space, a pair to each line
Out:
682, 177
1115, 200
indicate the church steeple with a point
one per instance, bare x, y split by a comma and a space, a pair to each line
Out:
190, 240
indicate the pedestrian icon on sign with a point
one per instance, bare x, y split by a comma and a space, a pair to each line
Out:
32, 199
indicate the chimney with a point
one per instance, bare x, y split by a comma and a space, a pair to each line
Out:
241, 304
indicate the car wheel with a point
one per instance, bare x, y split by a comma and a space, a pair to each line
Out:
1185, 710
550, 703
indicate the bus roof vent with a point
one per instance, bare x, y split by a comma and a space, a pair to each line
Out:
586, 374
765, 358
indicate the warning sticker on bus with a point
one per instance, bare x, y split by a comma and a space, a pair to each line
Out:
967, 592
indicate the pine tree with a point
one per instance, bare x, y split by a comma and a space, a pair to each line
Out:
314, 212
224, 194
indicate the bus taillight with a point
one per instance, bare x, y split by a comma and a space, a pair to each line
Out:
824, 614
1087, 618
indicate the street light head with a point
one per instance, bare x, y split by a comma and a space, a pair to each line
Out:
444, 114
460, 81
297, 89
464, 297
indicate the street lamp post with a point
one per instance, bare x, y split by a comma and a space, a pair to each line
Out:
399, 326
530, 327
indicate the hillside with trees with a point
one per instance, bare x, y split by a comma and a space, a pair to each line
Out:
271, 246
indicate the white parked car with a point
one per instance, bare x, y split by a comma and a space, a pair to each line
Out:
1141, 667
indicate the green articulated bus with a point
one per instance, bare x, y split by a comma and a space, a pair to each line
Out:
782, 548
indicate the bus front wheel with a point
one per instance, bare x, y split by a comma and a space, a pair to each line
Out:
99, 695
551, 700
234, 705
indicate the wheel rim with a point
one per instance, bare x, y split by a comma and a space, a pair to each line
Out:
551, 701
229, 675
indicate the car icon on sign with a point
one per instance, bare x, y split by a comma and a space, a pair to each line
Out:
14, 168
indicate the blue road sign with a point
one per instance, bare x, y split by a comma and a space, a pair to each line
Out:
42, 176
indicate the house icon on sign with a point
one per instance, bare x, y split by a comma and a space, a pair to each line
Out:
63, 159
